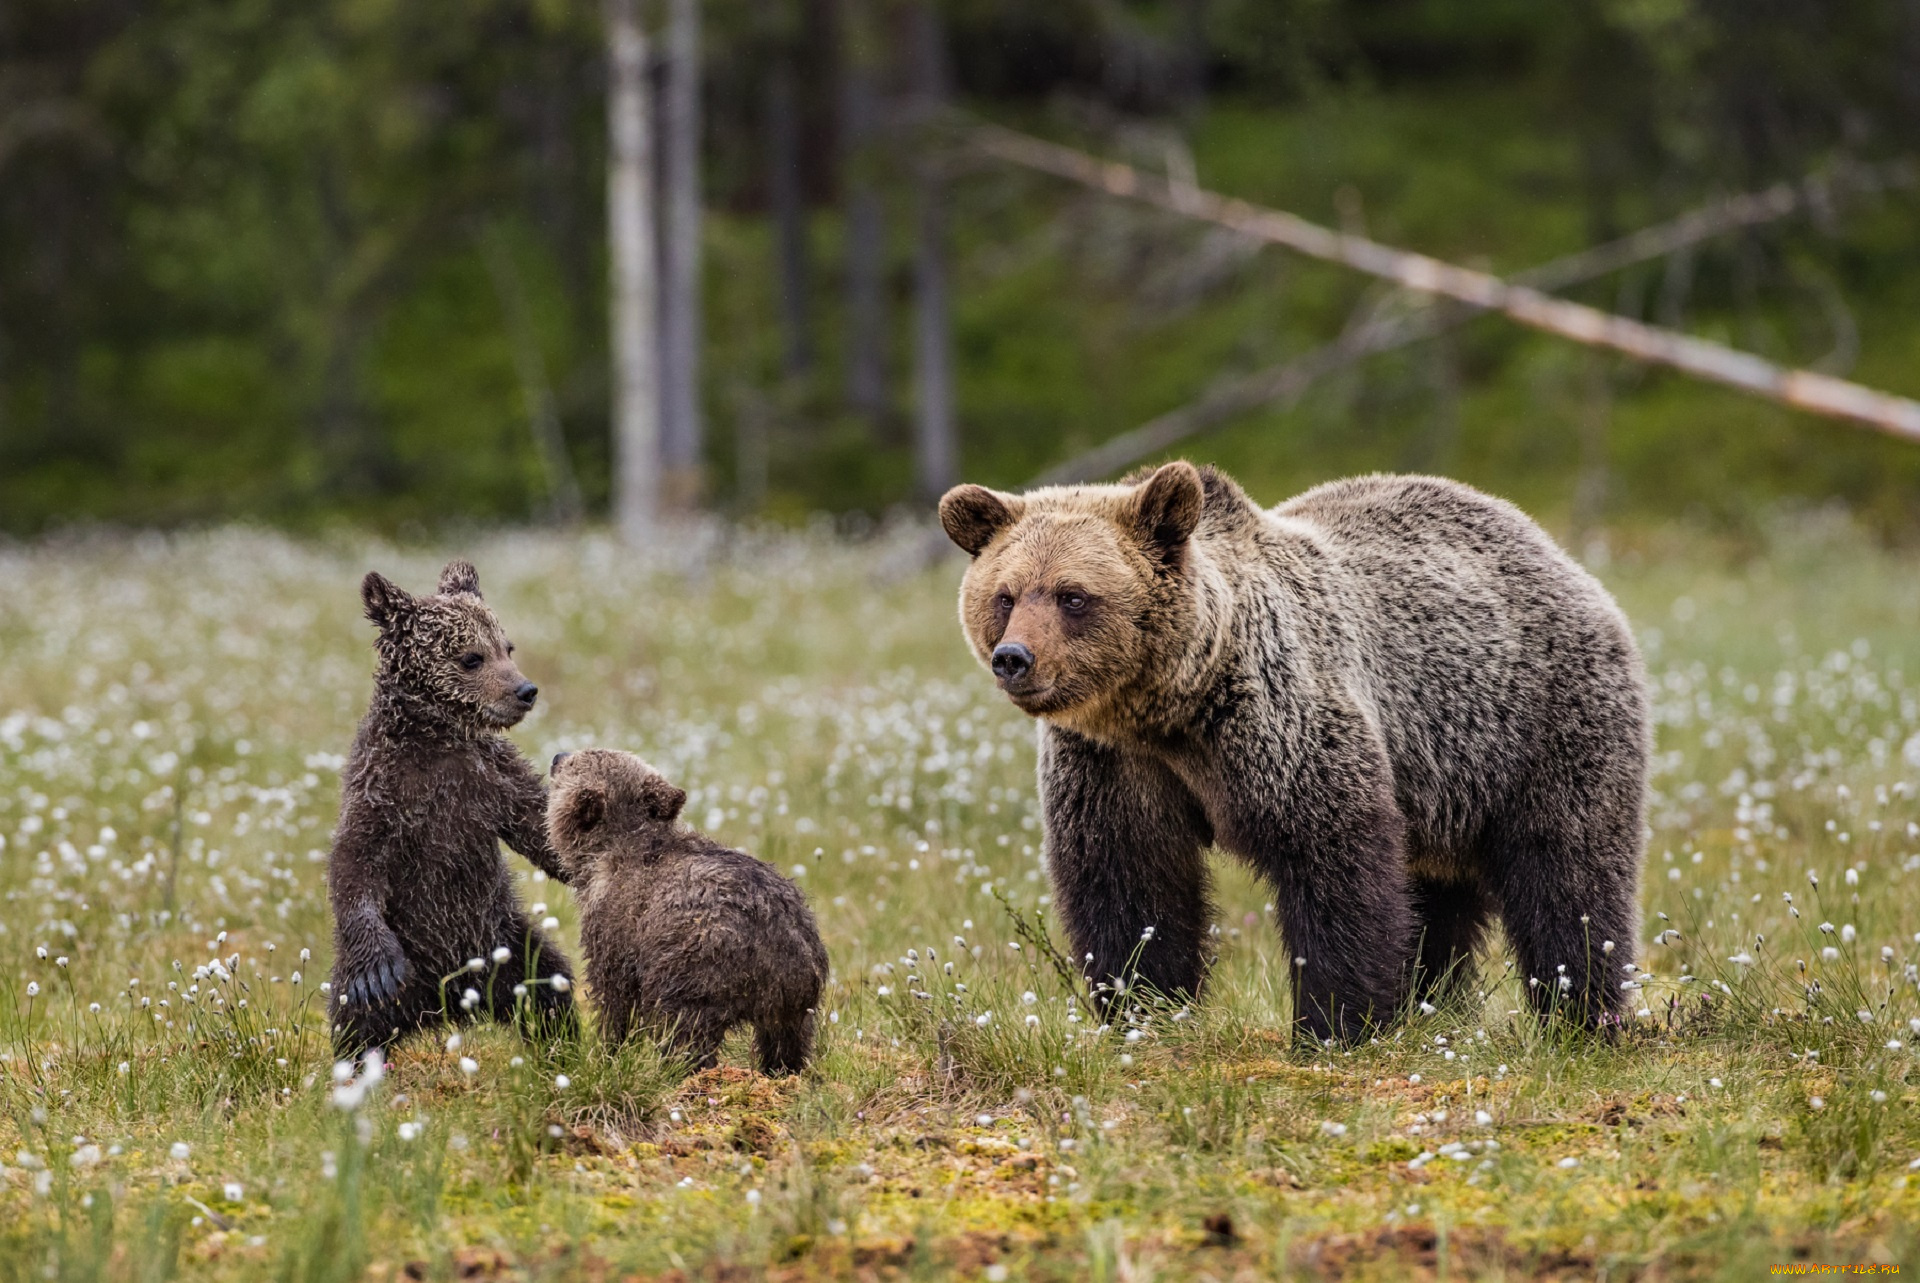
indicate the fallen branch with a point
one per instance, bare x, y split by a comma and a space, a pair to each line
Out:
1527, 304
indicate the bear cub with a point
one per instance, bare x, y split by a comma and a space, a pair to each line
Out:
418, 887
682, 935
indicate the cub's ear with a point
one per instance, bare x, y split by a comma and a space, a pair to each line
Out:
1166, 507
386, 601
584, 810
663, 800
459, 576
973, 515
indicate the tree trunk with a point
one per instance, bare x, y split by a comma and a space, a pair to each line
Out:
634, 287
864, 229
936, 449
789, 214
680, 320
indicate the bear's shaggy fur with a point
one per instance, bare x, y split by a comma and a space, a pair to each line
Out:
682, 935
431, 787
1395, 697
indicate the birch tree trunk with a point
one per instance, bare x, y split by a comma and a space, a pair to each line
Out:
634, 288
865, 232
936, 452
680, 316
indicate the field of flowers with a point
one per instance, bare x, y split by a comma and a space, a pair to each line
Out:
173, 722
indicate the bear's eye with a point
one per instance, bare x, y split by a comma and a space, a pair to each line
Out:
1003, 602
472, 660
1073, 602
509, 648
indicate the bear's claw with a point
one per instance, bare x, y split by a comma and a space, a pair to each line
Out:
380, 984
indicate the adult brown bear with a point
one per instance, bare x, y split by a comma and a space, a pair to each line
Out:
1395, 697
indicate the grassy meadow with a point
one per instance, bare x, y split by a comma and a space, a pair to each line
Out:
175, 715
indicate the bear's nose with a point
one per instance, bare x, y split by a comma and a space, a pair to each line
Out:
554, 765
526, 693
1011, 662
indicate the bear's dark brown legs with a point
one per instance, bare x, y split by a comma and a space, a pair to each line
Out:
1338, 867
783, 1048
356, 1029
616, 1023
1350, 933
695, 1037
1125, 842
1568, 900
1450, 917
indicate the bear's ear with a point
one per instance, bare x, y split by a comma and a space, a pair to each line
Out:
663, 800
1166, 507
973, 515
385, 600
459, 576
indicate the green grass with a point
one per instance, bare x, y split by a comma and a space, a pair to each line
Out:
169, 750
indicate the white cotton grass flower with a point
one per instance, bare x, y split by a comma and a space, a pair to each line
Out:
233, 1192
179, 1152
476, 964
1331, 1128
1568, 1162
562, 1082
549, 923
409, 1131
469, 1066
560, 984
502, 954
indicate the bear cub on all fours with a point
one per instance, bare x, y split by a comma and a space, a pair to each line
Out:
682, 935
420, 893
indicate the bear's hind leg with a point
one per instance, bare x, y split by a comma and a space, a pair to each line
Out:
1567, 881
783, 1047
357, 1030
1452, 917
695, 1037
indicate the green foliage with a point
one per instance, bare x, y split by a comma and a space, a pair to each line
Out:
240, 271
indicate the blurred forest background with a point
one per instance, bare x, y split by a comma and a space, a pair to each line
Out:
347, 259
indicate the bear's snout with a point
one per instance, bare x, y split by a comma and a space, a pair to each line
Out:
526, 693
1012, 665
553, 767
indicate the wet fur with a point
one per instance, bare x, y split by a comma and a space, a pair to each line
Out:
431, 787
683, 936
1394, 697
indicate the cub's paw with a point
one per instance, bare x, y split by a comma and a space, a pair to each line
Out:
378, 983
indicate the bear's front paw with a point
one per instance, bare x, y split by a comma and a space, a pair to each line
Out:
379, 983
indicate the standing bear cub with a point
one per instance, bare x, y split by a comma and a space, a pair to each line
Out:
431, 788
682, 935
1395, 697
